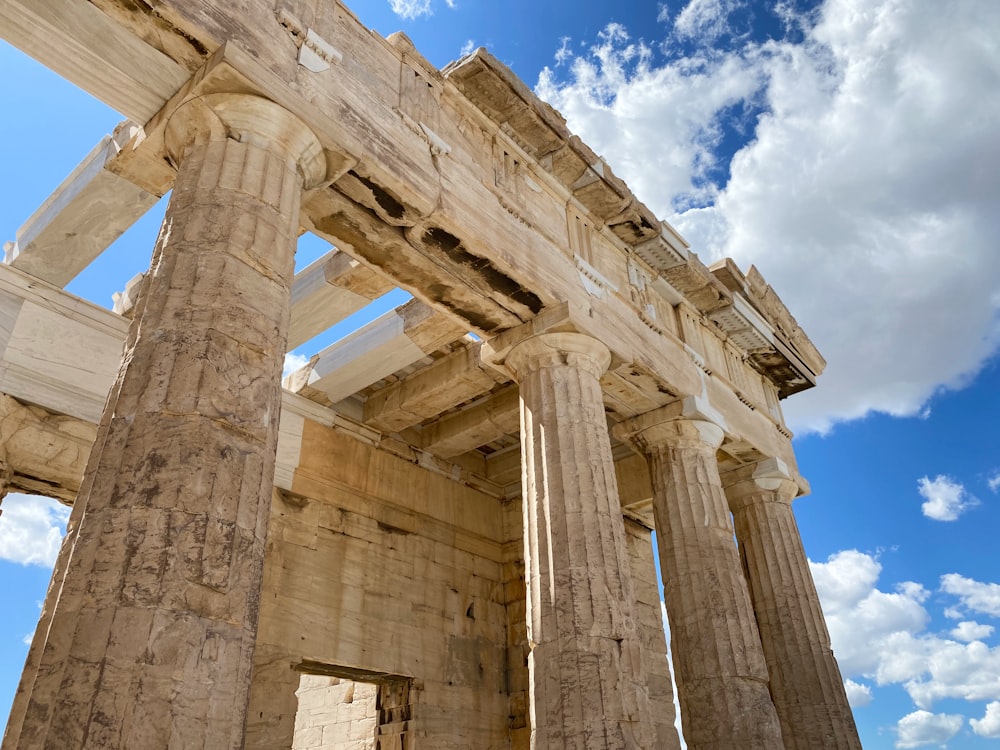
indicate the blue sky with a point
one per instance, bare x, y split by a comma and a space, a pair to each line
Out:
849, 149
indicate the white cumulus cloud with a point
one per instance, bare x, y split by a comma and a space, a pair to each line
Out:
866, 194
937, 669
882, 636
944, 498
976, 596
989, 725
859, 695
705, 20
31, 529
294, 362
924, 728
411, 8
968, 631
861, 618
994, 482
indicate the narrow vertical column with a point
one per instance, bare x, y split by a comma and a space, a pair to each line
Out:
806, 684
720, 668
649, 614
20, 704
585, 667
151, 636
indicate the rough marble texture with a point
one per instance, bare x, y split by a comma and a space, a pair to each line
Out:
150, 642
588, 687
806, 685
720, 668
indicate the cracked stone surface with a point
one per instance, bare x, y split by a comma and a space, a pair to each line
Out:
150, 642
806, 684
588, 686
722, 678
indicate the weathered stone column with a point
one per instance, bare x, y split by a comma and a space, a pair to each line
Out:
587, 684
150, 640
649, 614
720, 668
20, 704
806, 685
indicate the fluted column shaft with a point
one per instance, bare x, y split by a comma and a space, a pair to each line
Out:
806, 685
150, 640
719, 664
587, 689
20, 704
649, 614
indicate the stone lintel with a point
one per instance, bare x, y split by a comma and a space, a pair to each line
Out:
88, 48
229, 71
69, 372
391, 342
328, 290
444, 384
45, 453
467, 429
87, 212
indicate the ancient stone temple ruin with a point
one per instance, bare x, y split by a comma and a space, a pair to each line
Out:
437, 534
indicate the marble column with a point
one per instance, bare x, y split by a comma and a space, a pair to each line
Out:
806, 685
151, 636
649, 614
722, 680
587, 686
20, 704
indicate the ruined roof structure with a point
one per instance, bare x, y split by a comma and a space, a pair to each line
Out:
444, 540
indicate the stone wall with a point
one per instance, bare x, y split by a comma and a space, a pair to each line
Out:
378, 569
335, 714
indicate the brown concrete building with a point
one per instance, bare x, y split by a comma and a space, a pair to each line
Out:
437, 533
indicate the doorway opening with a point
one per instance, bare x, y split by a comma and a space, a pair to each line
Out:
341, 708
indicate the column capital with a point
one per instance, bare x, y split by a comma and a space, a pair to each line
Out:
248, 119
668, 425
767, 480
558, 348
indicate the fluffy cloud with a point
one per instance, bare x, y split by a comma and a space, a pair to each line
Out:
944, 498
968, 671
859, 695
989, 725
705, 20
860, 617
924, 728
881, 636
659, 127
974, 595
994, 482
858, 186
968, 631
293, 362
411, 8
31, 529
